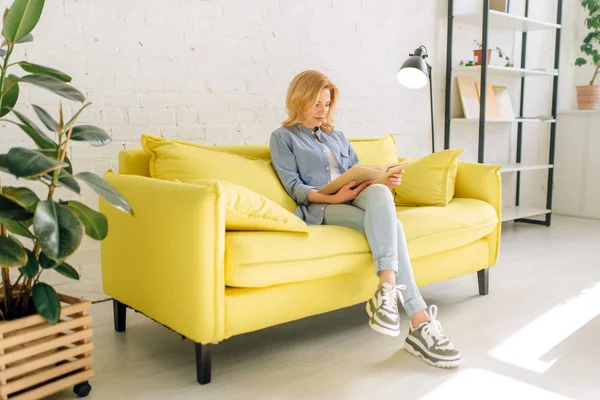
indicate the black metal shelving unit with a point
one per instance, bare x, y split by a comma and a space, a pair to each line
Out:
505, 21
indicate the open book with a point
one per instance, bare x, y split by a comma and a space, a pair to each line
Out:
362, 173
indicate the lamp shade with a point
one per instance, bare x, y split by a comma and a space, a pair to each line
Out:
413, 73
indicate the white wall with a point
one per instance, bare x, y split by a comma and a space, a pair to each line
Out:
216, 72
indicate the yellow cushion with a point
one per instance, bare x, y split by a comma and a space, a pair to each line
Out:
246, 210
259, 259
375, 151
171, 160
430, 180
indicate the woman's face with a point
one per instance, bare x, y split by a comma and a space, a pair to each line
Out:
316, 115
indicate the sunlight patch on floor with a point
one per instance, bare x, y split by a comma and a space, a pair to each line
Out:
479, 384
525, 348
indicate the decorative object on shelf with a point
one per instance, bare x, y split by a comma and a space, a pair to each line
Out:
44, 343
469, 97
491, 105
588, 96
478, 57
499, 5
414, 73
505, 107
478, 54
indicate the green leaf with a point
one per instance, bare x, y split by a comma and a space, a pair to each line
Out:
46, 302
75, 117
11, 94
47, 263
18, 228
12, 254
35, 133
54, 85
46, 118
105, 190
32, 267
3, 165
68, 271
66, 181
22, 17
91, 134
96, 225
58, 230
22, 195
29, 164
41, 70
580, 61
26, 39
13, 211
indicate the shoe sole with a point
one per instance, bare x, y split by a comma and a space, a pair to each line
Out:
440, 364
380, 329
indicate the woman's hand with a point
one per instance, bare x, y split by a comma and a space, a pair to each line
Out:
394, 180
346, 193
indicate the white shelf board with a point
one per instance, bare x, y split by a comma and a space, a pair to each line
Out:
505, 21
515, 167
516, 212
495, 70
505, 121
580, 112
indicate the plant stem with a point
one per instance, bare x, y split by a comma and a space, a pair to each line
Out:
4, 68
595, 75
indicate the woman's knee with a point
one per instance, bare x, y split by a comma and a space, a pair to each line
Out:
378, 191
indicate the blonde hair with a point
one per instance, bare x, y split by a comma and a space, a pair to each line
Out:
302, 95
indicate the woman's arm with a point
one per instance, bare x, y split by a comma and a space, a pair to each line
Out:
315, 197
284, 164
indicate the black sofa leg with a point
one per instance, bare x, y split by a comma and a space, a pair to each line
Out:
203, 363
483, 277
120, 314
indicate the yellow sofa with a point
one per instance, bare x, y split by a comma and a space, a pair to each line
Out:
175, 262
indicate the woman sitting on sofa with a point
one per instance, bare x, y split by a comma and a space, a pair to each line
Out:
307, 153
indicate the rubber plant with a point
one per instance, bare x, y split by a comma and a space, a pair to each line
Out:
38, 235
591, 43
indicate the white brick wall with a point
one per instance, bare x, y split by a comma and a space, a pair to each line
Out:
216, 72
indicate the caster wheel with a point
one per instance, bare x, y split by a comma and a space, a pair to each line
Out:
82, 389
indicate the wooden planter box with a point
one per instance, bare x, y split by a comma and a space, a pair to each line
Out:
38, 359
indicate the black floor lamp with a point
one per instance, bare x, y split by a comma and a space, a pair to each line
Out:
414, 74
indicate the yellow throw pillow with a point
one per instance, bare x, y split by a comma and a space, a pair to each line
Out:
173, 160
246, 210
378, 151
429, 181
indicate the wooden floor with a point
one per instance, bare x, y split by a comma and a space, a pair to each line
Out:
535, 336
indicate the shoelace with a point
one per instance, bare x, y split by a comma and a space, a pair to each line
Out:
390, 298
433, 332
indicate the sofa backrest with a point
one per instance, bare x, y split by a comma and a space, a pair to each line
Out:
370, 151
136, 161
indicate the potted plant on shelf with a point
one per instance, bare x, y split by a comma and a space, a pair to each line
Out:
43, 334
588, 96
477, 53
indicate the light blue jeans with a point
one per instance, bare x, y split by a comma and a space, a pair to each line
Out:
373, 213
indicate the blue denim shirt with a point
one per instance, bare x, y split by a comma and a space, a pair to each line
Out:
301, 162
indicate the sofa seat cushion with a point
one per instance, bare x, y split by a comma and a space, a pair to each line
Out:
261, 259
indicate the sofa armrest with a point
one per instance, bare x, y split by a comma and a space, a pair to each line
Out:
167, 261
482, 182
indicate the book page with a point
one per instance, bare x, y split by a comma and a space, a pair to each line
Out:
360, 174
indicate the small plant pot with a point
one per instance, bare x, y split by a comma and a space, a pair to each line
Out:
588, 97
478, 56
